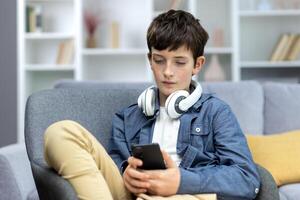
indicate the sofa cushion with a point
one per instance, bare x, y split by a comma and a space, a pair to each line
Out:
279, 154
246, 101
282, 107
16, 179
282, 196
9, 188
290, 192
33, 195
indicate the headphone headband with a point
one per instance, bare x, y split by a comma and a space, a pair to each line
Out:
186, 103
177, 103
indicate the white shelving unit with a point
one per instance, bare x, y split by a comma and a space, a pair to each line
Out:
259, 33
249, 36
37, 51
48, 67
45, 36
256, 13
268, 64
218, 15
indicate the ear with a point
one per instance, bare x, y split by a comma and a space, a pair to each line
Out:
198, 65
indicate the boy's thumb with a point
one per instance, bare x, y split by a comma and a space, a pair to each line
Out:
168, 160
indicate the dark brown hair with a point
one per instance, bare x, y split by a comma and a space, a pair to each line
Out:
176, 28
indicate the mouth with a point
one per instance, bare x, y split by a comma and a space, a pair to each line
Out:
168, 83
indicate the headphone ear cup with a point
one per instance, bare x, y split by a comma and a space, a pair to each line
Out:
172, 103
141, 100
146, 102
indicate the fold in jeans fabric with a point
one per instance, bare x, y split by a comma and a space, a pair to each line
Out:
179, 197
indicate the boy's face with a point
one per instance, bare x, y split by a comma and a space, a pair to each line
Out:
173, 70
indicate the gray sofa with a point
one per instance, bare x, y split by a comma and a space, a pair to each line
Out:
16, 181
267, 108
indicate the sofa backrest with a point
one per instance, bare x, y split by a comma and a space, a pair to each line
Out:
245, 98
282, 107
246, 101
93, 104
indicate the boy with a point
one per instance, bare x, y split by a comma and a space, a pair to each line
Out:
205, 149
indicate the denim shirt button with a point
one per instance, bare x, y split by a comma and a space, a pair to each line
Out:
256, 190
198, 130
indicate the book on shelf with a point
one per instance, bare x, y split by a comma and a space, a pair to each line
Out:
28, 11
115, 35
279, 47
294, 50
34, 21
286, 48
65, 52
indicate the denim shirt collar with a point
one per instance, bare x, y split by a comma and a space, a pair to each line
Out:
202, 99
143, 120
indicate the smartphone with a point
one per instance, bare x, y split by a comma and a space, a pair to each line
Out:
150, 154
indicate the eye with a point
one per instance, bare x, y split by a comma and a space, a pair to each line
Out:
158, 61
180, 63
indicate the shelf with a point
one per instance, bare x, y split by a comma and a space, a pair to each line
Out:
99, 51
258, 13
47, 1
102, 51
45, 36
218, 50
269, 64
49, 67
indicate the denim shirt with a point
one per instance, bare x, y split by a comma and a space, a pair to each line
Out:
214, 151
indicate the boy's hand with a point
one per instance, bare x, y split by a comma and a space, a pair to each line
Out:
164, 182
135, 180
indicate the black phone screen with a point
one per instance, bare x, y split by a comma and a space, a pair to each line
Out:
150, 154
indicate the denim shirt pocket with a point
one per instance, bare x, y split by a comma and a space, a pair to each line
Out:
199, 134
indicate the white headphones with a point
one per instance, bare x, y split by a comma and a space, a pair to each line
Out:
177, 103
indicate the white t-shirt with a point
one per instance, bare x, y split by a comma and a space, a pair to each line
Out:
165, 134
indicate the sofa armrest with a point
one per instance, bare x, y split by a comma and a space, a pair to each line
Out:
268, 187
50, 185
16, 181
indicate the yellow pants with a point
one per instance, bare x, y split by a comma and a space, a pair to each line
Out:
78, 157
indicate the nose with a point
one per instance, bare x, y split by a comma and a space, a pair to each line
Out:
168, 70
